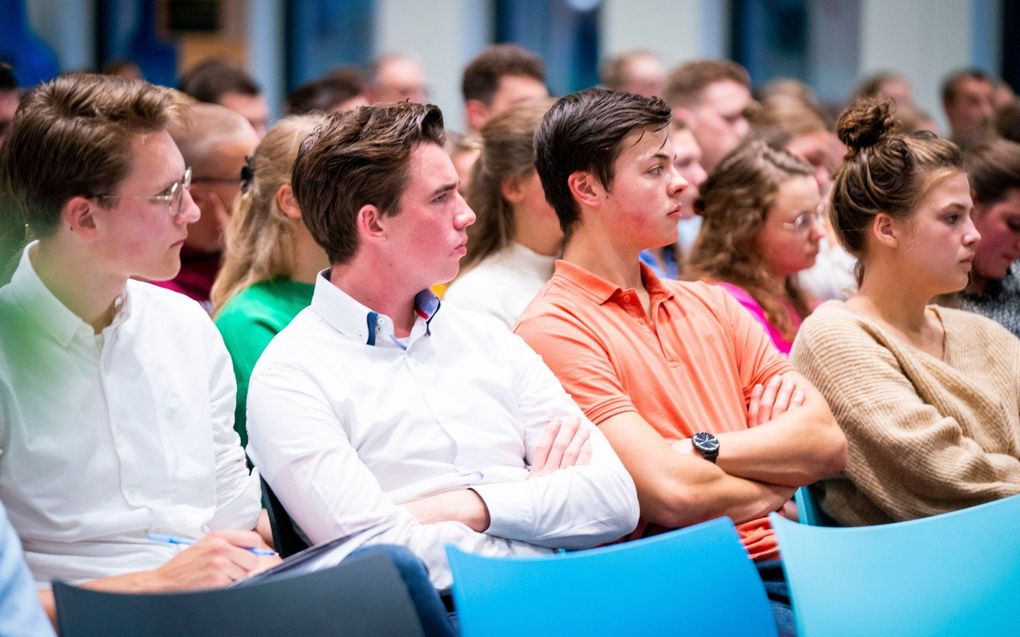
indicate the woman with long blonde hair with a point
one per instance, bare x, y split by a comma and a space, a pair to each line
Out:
270, 260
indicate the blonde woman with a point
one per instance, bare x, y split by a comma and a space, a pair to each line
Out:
271, 259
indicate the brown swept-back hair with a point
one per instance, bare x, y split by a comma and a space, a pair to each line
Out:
735, 201
260, 237
72, 137
507, 151
357, 158
884, 171
582, 132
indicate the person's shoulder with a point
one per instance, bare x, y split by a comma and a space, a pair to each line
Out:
977, 328
149, 297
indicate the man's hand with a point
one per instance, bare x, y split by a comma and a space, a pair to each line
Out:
776, 397
563, 444
219, 558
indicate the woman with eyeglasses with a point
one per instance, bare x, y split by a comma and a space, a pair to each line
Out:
928, 397
271, 260
760, 227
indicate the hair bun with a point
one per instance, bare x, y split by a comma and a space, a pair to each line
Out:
865, 123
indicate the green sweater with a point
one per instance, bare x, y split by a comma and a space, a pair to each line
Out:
249, 321
926, 436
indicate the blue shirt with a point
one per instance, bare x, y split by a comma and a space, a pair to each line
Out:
20, 612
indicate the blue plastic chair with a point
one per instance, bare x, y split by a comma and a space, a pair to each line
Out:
951, 574
694, 581
808, 510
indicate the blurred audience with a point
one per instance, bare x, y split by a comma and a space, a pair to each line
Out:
639, 71
396, 77
497, 78
712, 98
516, 238
967, 100
220, 82
339, 90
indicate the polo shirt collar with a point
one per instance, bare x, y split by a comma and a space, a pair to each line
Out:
602, 290
47, 310
363, 324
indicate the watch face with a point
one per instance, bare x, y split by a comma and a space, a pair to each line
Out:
705, 442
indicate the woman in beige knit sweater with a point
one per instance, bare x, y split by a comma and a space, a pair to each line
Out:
928, 397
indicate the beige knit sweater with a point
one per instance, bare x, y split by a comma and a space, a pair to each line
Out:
925, 435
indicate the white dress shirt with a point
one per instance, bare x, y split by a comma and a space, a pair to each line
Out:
107, 438
503, 284
346, 425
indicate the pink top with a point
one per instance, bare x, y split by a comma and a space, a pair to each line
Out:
758, 312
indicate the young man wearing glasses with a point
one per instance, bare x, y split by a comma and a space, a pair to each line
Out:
707, 416
116, 397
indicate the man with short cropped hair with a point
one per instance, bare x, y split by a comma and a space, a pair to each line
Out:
379, 415
706, 415
499, 77
221, 82
215, 142
9, 98
967, 97
116, 397
711, 97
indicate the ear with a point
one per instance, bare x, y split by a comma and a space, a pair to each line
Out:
512, 189
78, 215
371, 224
885, 230
287, 202
476, 113
586, 189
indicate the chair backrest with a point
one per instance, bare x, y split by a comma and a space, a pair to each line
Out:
285, 535
951, 574
808, 510
362, 596
696, 581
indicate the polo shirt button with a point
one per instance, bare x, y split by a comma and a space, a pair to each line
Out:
626, 297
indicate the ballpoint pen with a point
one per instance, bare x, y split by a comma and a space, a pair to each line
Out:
173, 539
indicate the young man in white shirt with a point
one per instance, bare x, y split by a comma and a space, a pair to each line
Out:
379, 416
116, 397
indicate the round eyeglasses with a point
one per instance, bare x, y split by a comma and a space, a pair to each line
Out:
805, 222
173, 196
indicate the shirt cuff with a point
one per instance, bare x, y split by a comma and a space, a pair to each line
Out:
511, 510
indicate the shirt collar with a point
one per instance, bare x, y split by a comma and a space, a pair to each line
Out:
363, 324
602, 290
47, 310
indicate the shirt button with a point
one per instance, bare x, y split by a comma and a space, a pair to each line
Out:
626, 297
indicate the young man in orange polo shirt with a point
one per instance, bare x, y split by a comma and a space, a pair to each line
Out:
707, 416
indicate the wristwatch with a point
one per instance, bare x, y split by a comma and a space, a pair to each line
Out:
706, 444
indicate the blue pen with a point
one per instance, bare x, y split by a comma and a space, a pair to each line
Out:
173, 539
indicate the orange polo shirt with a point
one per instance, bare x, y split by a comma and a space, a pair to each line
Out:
689, 368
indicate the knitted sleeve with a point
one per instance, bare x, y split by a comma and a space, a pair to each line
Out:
905, 457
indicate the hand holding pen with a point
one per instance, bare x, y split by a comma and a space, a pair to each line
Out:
216, 560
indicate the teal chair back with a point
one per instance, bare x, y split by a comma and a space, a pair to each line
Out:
362, 597
951, 574
808, 510
694, 581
